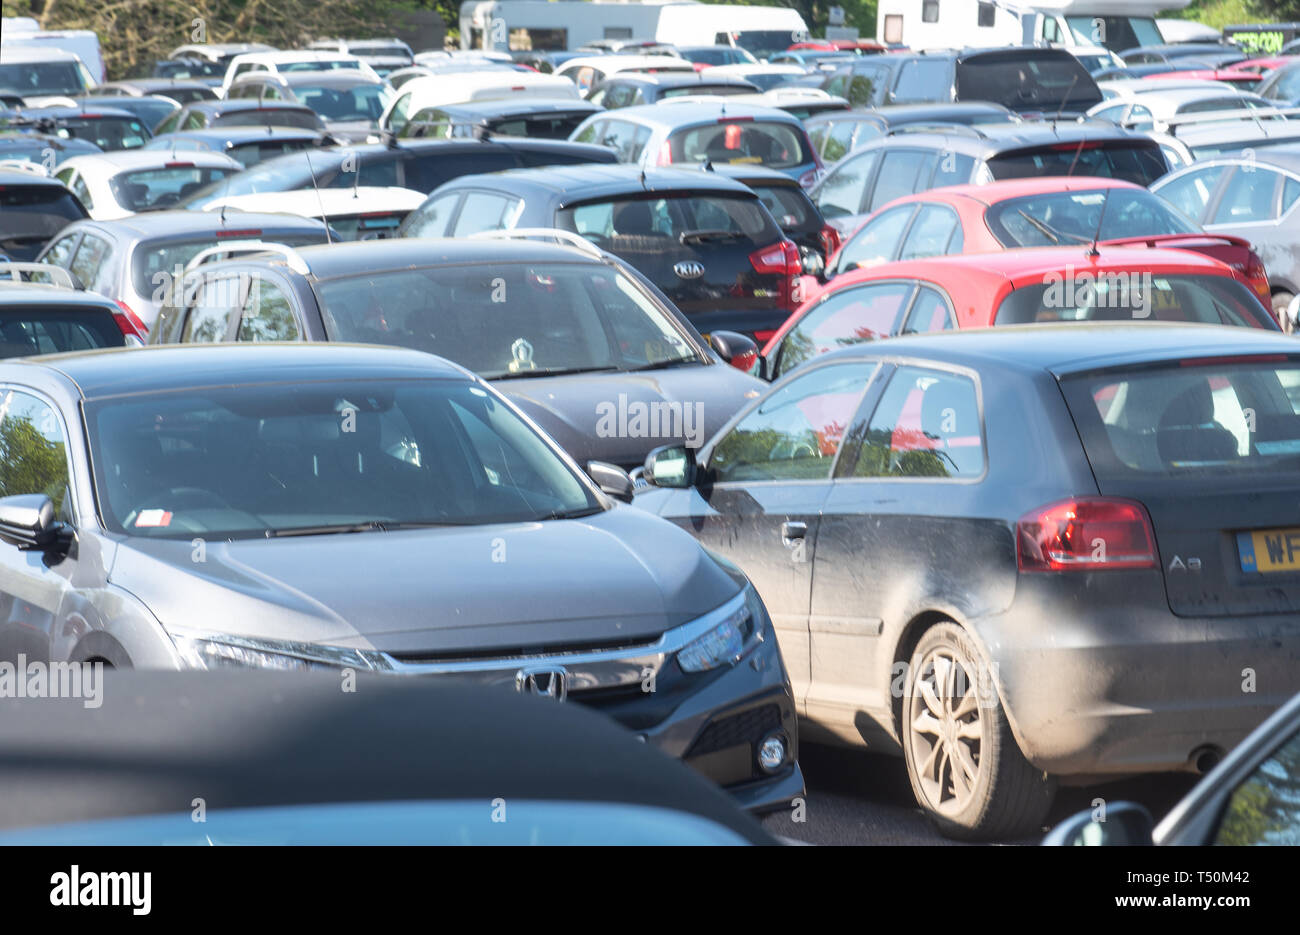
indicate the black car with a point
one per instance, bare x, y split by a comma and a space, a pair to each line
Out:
1042, 81
242, 113
40, 148
706, 241
1018, 554
99, 122
180, 90
248, 146
629, 89
33, 209
834, 135
567, 333
46, 314
151, 109
536, 118
420, 165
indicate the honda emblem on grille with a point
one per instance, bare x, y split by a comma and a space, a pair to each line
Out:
543, 681
689, 269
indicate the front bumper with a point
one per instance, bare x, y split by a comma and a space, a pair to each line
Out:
1109, 681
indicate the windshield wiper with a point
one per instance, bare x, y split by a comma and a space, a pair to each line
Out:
554, 372
374, 525
664, 364
568, 514
1051, 231
690, 237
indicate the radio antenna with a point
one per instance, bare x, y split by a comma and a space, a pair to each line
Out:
319, 201
1096, 235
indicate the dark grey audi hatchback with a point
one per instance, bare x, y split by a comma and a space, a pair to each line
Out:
348, 507
1021, 554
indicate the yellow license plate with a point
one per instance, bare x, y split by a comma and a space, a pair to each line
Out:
1266, 550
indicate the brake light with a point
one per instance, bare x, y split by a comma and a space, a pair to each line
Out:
1085, 534
1072, 147
830, 239
735, 120
178, 165
1257, 276
666, 154
781, 259
129, 323
240, 234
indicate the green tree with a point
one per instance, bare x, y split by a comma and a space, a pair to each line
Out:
30, 463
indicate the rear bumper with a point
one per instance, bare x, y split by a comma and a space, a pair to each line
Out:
747, 321
1113, 683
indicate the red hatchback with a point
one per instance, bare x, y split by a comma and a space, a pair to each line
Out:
1036, 212
1014, 287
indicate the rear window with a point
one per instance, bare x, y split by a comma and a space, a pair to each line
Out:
108, 133
539, 126
1020, 82
1132, 161
33, 79
35, 212
632, 223
1058, 218
376, 225
752, 142
269, 117
152, 260
162, 188
788, 205
1215, 417
250, 154
46, 329
714, 90
1129, 296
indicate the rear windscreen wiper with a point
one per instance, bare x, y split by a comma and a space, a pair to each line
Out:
700, 236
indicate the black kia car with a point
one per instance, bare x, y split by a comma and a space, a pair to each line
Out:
708, 242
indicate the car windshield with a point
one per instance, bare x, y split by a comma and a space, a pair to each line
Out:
145, 189
54, 329
284, 174
32, 79
189, 68
35, 212
509, 320
259, 151
269, 117
359, 102
1221, 417
1139, 162
746, 142
1062, 218
1021, 81
1134, 295
647, 227
330, 456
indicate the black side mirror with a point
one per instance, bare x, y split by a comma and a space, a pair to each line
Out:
612, 480
736, 349
670, 466
27, 521
1123, 824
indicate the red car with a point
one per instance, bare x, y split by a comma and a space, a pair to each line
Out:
1234, 76
1036, 212
861, 46
1263, 66
1054, 284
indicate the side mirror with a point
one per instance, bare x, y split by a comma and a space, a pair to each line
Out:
612, 480
28, 522
1124, 824
736, 349
670, 466
813, 263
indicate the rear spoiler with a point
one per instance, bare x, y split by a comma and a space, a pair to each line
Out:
1245, 115
1169, 240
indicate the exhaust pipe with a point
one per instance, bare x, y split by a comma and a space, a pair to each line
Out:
1204, 759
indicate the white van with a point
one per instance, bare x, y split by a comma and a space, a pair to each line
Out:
955, 24
286, 62
462, 87
760, 30
16, 34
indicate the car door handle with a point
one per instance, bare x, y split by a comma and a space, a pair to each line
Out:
793, 533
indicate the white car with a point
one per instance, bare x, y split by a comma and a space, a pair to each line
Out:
1163, 109
766, 77
1132, 87
119, 184
281, 62
43, 77
362, 213
462, 87
590, 71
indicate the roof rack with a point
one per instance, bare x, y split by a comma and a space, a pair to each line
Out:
291, 256
58, 275
1244, 115
569, 238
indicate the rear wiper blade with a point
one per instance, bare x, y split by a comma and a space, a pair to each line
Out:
1051, 231
690, 237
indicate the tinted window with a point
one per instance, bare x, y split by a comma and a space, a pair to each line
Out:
841, 193
45, 329
267, 314
360, 102
624, 225
850, 316
431, 219
33, 451
1127, 296
795, 433
924, 80
927, 424
1249, 196
756, 142
426, 172
250, 154
32, 79
161, 188
930, 233
538, 126
1073, 217
1139, 163
1190, 193
867, 86
269, 117
32, 214
483, 211
381, 172
787, 204
1265, 808
902, 172
249, 461
1021, 81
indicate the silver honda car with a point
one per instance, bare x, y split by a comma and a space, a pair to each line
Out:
356, 508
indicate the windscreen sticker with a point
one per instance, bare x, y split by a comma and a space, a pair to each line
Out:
153, 518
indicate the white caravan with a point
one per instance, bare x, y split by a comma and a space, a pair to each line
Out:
25, 33
538, 25
954, 24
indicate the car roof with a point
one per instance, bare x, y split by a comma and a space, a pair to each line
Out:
175, 366
226, 106
1285, 156
60, 112
993, 192
601, 180
756, 174
33, 293
337, 77
520, 105
671, 115
22, 54
16, 177
236, 134
678, 79
145, 158
149, 224
1072, 347
332, 202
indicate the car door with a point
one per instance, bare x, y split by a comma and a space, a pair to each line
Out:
34, 459
761, 489
896, 539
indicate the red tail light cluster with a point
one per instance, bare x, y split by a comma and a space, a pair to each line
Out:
129, 323
781, 259
666, 154
831, 241
1085, 534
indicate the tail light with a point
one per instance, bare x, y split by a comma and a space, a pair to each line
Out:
129, 323
1257, 276
808, 179
1085, 534
781, 259
830, 239
666, 154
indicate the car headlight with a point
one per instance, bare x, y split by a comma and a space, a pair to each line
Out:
221, 651
727, 643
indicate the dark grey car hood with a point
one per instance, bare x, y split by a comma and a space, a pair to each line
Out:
618, 576
579, 411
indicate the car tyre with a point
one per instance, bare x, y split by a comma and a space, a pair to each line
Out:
964, 764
